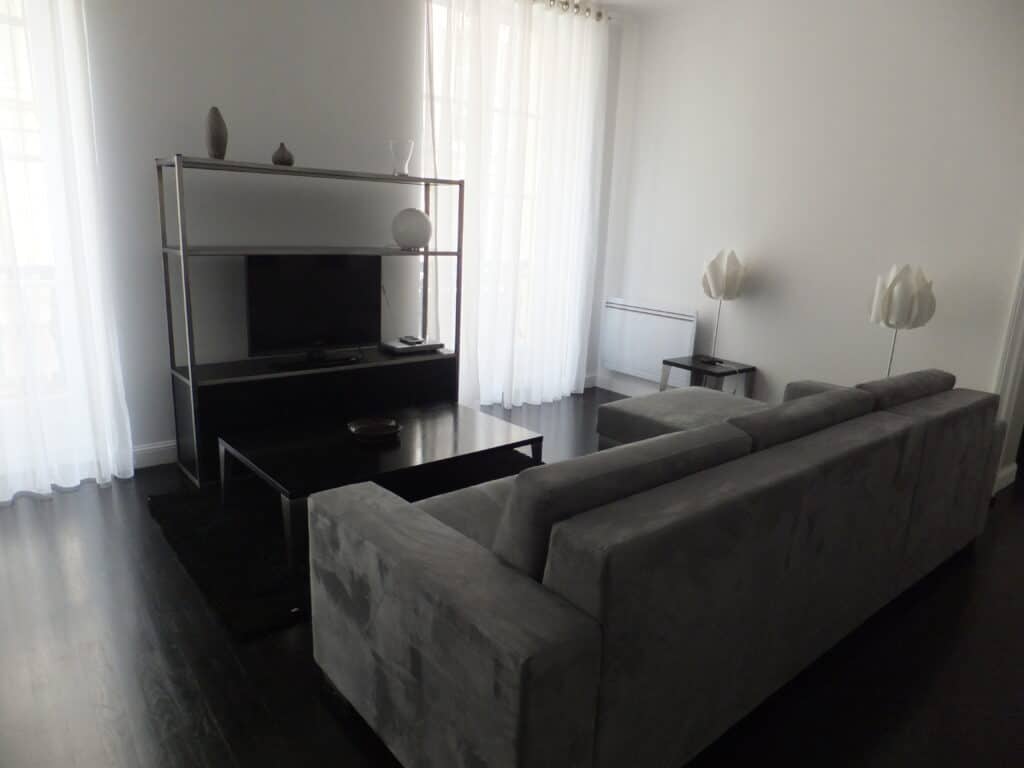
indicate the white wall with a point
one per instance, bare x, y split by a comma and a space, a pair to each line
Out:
824, 140
334, 80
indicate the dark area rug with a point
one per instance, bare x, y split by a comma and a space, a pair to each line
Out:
236, 557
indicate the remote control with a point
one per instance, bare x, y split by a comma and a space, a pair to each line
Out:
410, 340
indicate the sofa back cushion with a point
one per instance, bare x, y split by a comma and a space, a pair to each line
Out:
804, 387
803, 416
897, 390
546, 495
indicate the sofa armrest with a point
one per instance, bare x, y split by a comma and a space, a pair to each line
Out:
452, 657
995, 455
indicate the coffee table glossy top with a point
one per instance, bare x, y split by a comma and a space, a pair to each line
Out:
299, 461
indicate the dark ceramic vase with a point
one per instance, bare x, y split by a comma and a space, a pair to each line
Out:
216, 134
282, 156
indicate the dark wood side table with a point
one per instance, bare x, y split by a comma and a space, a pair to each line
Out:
709, 372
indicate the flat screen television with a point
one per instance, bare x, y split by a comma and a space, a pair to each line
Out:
312, 303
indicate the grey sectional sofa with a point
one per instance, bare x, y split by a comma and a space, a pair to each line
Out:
625, 608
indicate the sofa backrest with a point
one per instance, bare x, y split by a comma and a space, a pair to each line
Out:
797, 389
546, 495
714, 590
897, 390
803, 416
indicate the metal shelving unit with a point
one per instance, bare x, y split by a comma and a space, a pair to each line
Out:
195, 375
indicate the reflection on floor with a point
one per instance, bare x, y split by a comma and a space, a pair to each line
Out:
110, 657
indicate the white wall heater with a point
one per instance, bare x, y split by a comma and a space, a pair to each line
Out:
635, 339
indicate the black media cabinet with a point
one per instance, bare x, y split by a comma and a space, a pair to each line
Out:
251, 395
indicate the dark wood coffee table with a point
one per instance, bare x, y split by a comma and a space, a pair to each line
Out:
441, 448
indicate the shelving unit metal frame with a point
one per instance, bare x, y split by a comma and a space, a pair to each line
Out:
185, 251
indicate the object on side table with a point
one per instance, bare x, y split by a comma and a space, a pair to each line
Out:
399, 347
412, 229
709, 373
401, 154
216, 134
282, 156
722, 280
903, 301
375, 429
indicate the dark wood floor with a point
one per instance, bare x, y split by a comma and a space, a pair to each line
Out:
109, 656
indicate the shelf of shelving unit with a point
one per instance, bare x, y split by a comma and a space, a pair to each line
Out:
313, 250
193, 376
253, 369
234, 166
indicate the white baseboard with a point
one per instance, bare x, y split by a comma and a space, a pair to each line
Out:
590, 381
152, 454
1005, 477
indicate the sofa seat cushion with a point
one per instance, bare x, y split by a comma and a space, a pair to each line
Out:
637, 418
473, 511
897, 390
803, 416
548, 494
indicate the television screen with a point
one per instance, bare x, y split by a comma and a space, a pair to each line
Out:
312, 302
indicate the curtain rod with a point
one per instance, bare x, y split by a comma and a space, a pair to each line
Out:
577, 8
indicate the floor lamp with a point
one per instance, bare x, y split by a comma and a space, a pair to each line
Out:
722, 280
903, 300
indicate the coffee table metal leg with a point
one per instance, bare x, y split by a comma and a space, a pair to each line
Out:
537, 450
225, 474
665, 371
296, 534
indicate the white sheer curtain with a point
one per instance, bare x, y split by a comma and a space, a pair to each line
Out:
515, 105
63, 416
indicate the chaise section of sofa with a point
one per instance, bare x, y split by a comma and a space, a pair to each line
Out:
677, 410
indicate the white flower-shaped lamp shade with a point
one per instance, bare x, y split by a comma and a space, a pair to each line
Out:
723, 277
903, 299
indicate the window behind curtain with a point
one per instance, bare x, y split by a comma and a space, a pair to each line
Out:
63, 415
26, 249
515, 106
